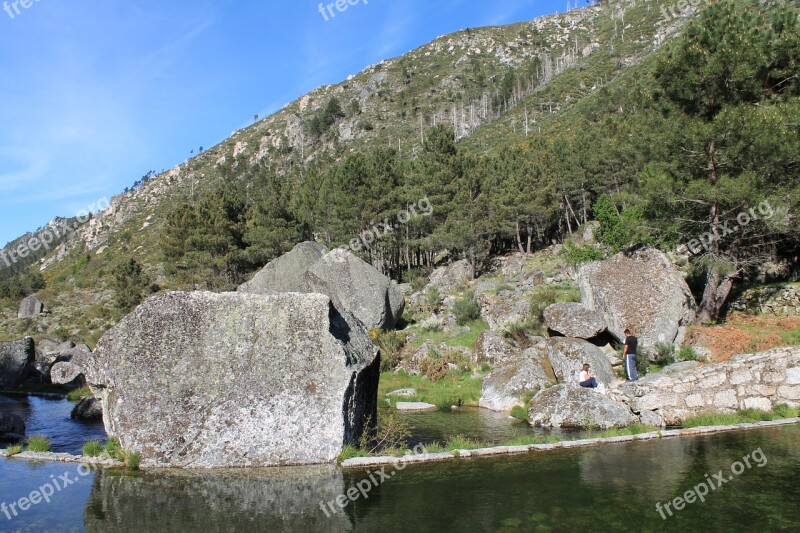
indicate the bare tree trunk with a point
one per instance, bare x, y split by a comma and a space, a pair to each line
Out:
519, 239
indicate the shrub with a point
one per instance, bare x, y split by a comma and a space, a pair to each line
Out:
434, 367
687, 353
92, 448
392, 433
14, 450
519, 412
131, 460
77, 395
39, 443
642, 364
391, 344
433, 299
466, 308
664, 354
575, 255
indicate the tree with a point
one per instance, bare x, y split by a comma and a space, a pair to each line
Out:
130, 285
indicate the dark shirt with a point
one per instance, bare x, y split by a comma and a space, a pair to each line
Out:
631, 342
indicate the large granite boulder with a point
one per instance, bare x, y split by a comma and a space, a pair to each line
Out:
286, 273
16, 361
566, 406
30, 307
352, 284
568, 355
12, 428
66, 373
507, 386
357, 287
236, 380
450, 276
572, 319
502, 310
641, 290
492, 348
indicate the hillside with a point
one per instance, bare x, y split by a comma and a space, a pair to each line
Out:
548, 90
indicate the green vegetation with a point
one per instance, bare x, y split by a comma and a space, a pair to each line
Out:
541, 299
93, 448
464, 340
14, 450
633, 429
391, 345
519, 412
38, 443
131, 285
77, 395
742, 416
113, 448
466, 309
454, 389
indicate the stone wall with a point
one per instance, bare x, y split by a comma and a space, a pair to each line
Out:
759, 381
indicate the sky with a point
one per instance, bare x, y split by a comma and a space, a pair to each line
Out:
94, 94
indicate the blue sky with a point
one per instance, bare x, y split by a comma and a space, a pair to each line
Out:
94, 94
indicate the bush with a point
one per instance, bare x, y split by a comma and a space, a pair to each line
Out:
131, 460
433, 299
466, 308
574, 255
665, 354
39, 443
687, 353
14, 450
391, 344
92, 448
434, 367
114, 449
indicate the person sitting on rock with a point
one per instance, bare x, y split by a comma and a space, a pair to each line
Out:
586, 379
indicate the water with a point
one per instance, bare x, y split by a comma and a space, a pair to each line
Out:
614, 487
50, 417
473, 423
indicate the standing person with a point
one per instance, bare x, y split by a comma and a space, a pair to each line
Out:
629, 355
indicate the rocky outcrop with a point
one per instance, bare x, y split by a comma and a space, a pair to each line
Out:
286, 273
567, 357
572, 319
781, 300
504, 309
492, 348
353, 285
88, 410
565, 406
507, 386
451, 276
640, 290
759, 381
12, 428
30, 307
16, 361
236, 380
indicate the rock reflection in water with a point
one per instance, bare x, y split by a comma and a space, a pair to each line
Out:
285, 499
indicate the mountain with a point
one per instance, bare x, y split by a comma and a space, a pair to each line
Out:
532, 90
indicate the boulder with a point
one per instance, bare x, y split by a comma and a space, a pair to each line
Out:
572, 319
415, 406
450, 276
357, 287
641, 290
492, 348
353, 285
88, 410
12, 427
508, 385
16, 362
30, 307
47, 345
66, 373
500, 311
568, 355
208, 380
286, 273
563, 406
64, 347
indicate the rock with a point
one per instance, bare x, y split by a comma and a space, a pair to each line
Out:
572, 319
30, 307
64, 347
352, 284
450, 276
88, 410
402, 392
66, 373
613, 355
492, 348
577, 407
357, 287
589, 232
47, 345
286, 273
568, 355
415, 406
12, 428
501, 311
508, 385
16, 362
642, 291
651, 418
209, 380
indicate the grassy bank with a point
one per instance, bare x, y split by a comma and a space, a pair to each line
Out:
457, 388
742, 416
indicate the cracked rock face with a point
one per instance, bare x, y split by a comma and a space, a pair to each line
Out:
206, 380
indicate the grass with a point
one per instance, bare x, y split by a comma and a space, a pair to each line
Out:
742, 416
453, 389
92, 448
633, 429
77, 395
14, 450
519, 412
39, 443
464, 340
